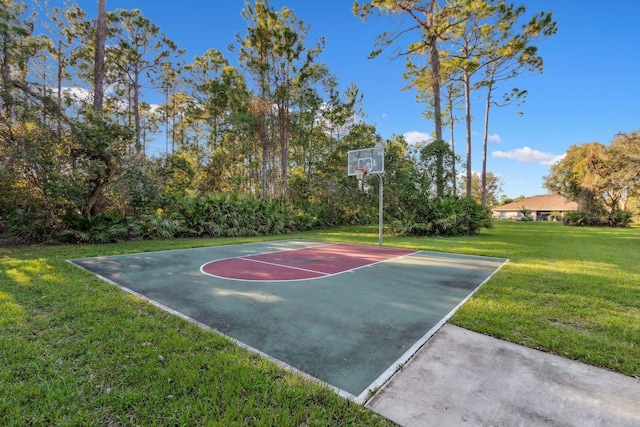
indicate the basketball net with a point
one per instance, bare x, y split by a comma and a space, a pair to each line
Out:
360, 173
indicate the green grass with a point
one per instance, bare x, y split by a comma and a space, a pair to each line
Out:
77, 351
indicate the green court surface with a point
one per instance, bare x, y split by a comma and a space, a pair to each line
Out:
350, 329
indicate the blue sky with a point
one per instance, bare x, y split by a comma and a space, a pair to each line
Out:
589, 90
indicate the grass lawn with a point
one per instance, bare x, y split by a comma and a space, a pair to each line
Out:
77, 351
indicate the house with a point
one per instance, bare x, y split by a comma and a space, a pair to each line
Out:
540, 207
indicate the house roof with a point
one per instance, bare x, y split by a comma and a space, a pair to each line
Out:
546, 202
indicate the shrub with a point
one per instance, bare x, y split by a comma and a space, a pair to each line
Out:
24, 225
161, 225
234, 215
524, 214
103, 228
444, 216
617, 218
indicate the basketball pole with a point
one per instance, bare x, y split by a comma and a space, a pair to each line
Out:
380, 207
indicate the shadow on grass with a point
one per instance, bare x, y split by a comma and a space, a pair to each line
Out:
78, 351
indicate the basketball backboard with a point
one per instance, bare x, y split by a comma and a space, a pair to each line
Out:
370, 158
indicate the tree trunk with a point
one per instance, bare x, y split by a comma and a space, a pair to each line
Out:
136, 109
467, 112
453, 150
435, 85
265, 155
98, 66
284, 146
483, 181
59, 97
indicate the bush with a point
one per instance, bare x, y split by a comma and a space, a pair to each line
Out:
525, 215
617, 218
235, 215
24, 225
162, 226
444, 216
103, 228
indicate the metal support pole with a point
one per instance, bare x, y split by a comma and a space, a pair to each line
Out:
380, 209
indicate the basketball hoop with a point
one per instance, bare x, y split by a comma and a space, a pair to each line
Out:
369, 161
360, 173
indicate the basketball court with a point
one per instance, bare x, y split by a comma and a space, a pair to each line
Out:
347, 315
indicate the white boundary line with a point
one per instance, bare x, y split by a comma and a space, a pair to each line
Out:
287, 266
325, 275
378, 385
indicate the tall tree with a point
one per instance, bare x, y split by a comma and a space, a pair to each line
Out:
431, 21
254, 55
466, 56
140, 53
210, 94
169, 80
15, 41
275, 54
581, 176
624, 155
452, 93
511, 52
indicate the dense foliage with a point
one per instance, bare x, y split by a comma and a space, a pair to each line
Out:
604, 180
85, 156
444, 216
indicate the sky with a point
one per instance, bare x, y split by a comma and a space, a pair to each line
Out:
589, 90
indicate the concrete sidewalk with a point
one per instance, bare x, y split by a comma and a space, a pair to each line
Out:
462, 378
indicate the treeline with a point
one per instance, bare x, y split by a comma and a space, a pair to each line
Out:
604, 180
76, 130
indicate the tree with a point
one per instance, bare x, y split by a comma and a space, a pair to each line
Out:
210, 93
436, 167
27, 147
467, 52
169, 80
140, 52
511, 53
493, 186
624, 155
15, 48
453, 92
275, 55
581, 176
100, 149
431, 22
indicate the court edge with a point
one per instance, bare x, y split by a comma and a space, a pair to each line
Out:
376, 386
370, 392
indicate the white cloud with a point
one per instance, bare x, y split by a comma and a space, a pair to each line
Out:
527, 155
76, 93
417, 138
494, 138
